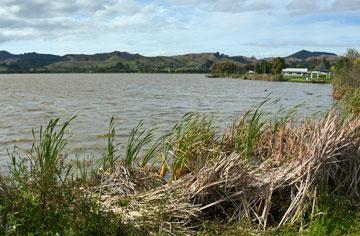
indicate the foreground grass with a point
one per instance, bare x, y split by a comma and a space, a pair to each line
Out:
263, 176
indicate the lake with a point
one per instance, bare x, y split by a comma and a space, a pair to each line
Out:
28, 101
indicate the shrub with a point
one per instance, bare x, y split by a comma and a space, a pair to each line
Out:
40, 196
346, 74
351, 102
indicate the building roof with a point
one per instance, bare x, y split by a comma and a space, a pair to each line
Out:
296, 70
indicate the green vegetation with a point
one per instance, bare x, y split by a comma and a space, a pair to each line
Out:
227, 68
263, 67
236, 70
351, 102
346, 74
346, 85
302, 79
41, 195
263, 175
191, 143
277, 64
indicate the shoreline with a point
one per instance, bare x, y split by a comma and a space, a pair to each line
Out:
270, 78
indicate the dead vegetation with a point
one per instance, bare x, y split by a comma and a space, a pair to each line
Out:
263, 174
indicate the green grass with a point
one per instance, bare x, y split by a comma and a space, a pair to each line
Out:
302, 79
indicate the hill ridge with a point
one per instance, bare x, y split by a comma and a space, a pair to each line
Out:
122, 61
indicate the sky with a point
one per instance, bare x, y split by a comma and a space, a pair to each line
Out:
170, 27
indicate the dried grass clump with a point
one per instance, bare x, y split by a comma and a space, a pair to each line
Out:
125, 180
294, 166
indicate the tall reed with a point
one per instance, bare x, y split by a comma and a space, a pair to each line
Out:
139, 139
189, 144
112, 154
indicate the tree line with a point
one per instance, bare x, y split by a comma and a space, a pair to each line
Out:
274, 67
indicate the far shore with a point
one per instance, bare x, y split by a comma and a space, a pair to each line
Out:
271, 78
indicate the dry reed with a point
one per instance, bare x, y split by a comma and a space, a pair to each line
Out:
290, 167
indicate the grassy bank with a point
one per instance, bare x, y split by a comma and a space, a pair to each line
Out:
269, 77
261, 175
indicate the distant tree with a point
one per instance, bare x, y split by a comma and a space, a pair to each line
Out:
227, 68
221, 55
352, 54
277, 64
263, 67
257, 68
325, 63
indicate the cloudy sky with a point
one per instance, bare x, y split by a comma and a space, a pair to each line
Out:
166, 27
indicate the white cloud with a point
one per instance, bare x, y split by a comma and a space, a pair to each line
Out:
51, 19
179, 26
228, 5
348, 5
323, 6
303, 6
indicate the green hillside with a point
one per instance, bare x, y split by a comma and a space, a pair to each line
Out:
126, 62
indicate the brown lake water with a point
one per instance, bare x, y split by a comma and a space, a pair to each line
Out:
28, 101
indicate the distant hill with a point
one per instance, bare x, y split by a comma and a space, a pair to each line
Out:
127, 62
305, 55
312, 60
25, 62
5, 55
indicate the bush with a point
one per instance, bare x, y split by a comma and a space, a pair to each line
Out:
351, 102
41, 197
346, 74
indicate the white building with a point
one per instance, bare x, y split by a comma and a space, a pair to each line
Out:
295, 71
319, 73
